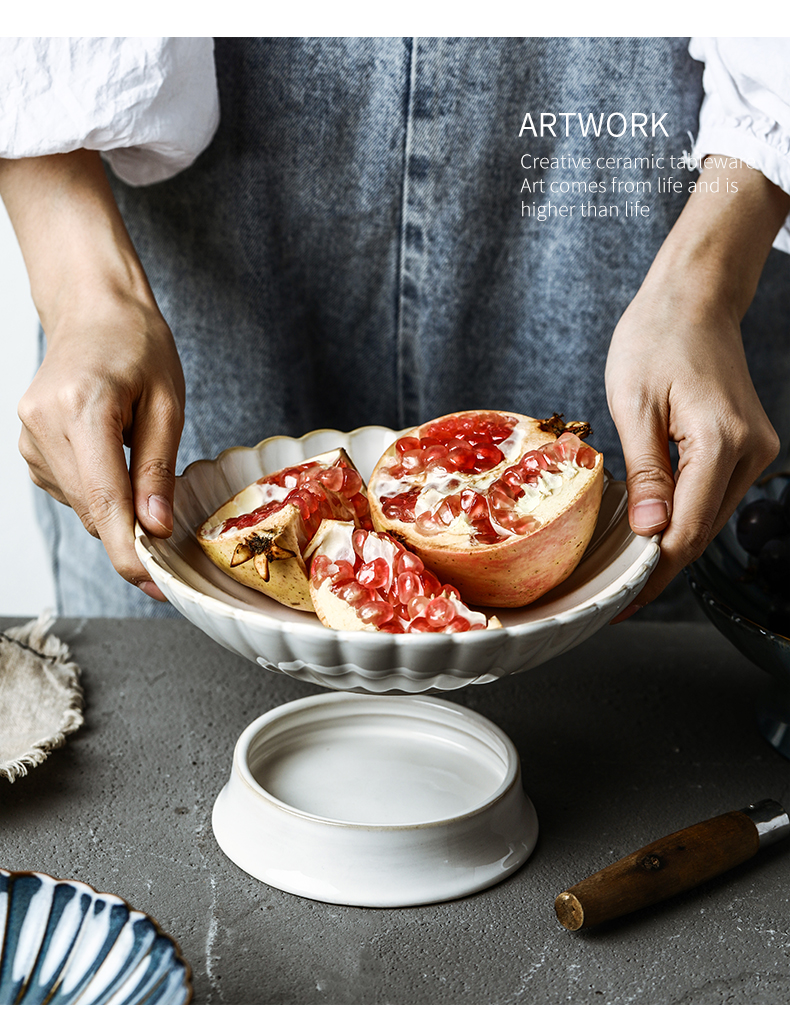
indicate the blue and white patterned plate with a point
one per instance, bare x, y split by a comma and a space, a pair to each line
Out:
63, 943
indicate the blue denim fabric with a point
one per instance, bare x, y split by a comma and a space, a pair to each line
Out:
350, 249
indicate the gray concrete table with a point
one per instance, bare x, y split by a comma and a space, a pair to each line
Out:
643, 729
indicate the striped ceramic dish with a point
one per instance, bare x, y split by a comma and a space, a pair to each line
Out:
63, 943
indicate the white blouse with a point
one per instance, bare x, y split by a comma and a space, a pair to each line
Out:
746, 109
150, 105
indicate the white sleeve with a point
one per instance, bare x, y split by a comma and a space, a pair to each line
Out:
746, 109
150, 105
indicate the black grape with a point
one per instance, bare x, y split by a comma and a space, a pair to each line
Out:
759, 522
773, 564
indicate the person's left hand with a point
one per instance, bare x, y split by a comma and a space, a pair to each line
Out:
676, 372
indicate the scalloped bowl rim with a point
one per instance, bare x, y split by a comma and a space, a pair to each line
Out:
253, 615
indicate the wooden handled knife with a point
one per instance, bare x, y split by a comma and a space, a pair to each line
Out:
672, 865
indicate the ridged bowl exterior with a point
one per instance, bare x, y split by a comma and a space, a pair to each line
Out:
611, 574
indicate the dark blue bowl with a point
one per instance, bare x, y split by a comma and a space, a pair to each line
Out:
724, 583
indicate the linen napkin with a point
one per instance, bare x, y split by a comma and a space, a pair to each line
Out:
40, 696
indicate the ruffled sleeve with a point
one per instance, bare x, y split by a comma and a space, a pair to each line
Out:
746, 109
150, 105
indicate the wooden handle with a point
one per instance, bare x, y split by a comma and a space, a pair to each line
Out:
671, 865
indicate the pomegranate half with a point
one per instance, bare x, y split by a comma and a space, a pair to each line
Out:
499, 505
259, 536
364, 580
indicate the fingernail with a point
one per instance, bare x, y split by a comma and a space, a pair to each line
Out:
161, 510
151, 590
646, 515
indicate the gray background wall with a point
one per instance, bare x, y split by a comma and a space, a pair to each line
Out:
25, 579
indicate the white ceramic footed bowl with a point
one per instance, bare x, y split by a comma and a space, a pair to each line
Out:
375, 801
614, 569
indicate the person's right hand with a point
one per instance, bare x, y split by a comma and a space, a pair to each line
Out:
111, 376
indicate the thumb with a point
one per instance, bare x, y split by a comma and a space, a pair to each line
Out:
649, 477
155, 437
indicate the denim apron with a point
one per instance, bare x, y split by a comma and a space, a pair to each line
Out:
357, 244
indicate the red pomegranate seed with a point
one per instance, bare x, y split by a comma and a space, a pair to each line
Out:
409, 562
565, 447
332, 478
585, 457
375, 612
420, 625
458, 625
319, 569
374, 574
443, 513
343, 572
352, 593
535, 462
440, 612
512, 479
352, 482
431, 584
409, 586
454, 504
417, 605
468, 498
406, 444
474, 504
392, 627
358, 539
317, 490
510, 520
361, 507
412, 461
485, 532
461, 460
427, 523
434, 452
499, 498
296, 499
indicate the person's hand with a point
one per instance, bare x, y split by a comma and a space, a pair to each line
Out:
111, 376
676, 372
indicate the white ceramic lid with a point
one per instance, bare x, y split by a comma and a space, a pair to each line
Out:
375, 801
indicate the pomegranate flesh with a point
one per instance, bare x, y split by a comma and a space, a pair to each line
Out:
260, 535
499, 505
363, 580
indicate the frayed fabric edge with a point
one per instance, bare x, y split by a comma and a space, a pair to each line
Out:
34, 636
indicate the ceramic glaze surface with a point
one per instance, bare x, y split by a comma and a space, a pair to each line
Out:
614, 569
66, 944
378, 801
382, 770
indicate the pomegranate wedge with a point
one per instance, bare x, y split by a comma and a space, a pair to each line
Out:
363, 580
259, 536
499, 505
